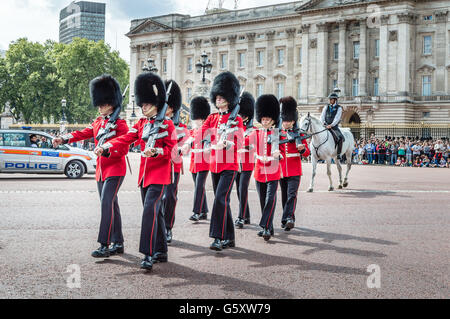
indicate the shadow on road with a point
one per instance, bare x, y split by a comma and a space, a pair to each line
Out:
371, 194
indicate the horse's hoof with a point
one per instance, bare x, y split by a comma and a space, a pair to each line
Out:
345, 185
340, 187
331, 189
310, 190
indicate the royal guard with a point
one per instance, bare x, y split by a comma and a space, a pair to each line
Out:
247, 159
111, 167
291, 163
268, 155
155, 173
225, 132
200, 161
170, 198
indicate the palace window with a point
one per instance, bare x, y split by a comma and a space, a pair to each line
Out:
241, 59
427, 44
300, 55
189, 64
336, 51
299, 90
376, 91
355, 87
377, 48
426, 85
223, 61
189, 94
356, 50
259, 90
280, 90
165, 65
260, 58
280, 54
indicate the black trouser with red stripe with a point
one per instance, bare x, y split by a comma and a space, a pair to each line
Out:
289, 193
200, 202
169, 202
222, 226
242, 184
111, 222
268, 199
153, 231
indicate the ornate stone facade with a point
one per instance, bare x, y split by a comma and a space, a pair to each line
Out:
391, 59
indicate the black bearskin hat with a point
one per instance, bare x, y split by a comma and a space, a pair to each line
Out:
175, 99
105, 90
267, 106
247, 105
289, 111
227, 86
200, 108
149, 88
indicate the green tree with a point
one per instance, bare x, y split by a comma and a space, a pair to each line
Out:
77, 64
30, 83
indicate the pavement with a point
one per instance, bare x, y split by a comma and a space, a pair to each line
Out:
393, 220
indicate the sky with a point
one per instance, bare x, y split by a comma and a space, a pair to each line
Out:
38, 20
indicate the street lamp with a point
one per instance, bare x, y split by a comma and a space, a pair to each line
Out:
204, 66
62, 128
150, 67
133, 115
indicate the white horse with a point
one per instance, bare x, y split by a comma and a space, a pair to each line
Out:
323, 147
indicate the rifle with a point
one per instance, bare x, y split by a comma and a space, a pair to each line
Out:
225, 130
249, 128
151, 132
176, 119
107, 132
293, 137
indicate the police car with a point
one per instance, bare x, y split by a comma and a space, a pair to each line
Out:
32, 152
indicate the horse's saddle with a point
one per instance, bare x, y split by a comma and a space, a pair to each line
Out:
337, 135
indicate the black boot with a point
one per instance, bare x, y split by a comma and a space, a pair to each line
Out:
169, 236
339, 150
160, 258
216, 245
147, 263
261, 233
195, 218
102, 252
117, 249
203, 216
267, 234
228, 244
290, 224
239, 223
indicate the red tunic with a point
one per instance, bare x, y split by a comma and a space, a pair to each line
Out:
225, 159
292, 160
153, 170
270, 170
177, 159
114, 165
199, 159
247, 154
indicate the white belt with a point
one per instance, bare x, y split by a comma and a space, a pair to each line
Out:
243, 151
293, 155
265, 158
198, 151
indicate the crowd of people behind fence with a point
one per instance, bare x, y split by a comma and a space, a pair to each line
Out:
404, 152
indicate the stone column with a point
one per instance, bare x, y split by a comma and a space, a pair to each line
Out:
322, 60
176, 70
305, 62
404, 53
214, 57
270, 61
342, 74
134, 67
383, 68
232, 60
251, 62
290, 83
363, 58
441, 54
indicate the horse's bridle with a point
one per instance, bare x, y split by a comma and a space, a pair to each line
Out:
313, 134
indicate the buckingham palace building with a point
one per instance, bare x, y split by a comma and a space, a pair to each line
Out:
389, 58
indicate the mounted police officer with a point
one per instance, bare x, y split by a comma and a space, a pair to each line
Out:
331, 117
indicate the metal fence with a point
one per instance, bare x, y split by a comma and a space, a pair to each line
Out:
412, 130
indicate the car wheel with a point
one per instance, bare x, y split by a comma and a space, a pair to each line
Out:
74, 170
